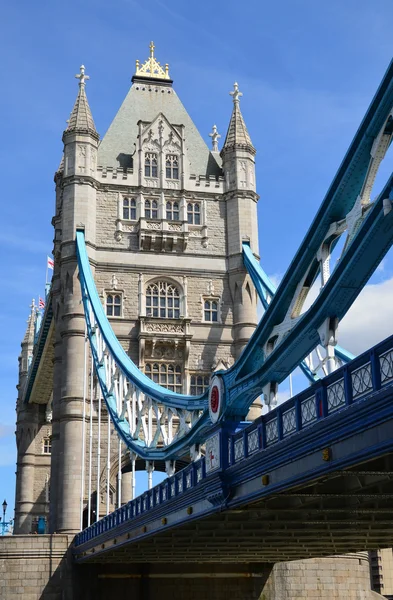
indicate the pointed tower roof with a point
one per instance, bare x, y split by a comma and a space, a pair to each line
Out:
152, 94
29, 335
81, 120
237, 134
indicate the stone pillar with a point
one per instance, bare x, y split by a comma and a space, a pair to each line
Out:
24, 496
54, 476
126, 487
71, 403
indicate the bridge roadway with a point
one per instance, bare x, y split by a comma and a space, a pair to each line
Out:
312, 478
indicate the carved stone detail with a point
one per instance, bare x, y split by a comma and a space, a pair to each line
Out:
164, 328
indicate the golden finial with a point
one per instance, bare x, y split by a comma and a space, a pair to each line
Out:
152, 68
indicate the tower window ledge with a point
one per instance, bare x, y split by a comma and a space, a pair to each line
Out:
159, 236
150, 327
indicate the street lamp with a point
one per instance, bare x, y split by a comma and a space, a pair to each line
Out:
5, 524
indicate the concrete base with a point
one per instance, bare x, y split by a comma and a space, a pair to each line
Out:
39, 568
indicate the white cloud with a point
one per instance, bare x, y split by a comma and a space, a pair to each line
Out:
370, 320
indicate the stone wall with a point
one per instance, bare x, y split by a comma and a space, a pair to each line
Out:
39, 568
35, 567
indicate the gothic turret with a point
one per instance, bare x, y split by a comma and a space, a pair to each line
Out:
76, 200
26, 425
80, 159
241, 199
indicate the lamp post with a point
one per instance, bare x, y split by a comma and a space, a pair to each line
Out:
5, 525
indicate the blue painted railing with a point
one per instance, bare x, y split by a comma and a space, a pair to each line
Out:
355, 381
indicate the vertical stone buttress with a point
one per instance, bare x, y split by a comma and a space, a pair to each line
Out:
238, 162
78, 210
26, 428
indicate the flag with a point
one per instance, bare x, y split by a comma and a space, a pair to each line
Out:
41, 303
50, 263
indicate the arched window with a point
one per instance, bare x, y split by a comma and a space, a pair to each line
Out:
211, 311
113, 305
162, 300
199, 384
167, 375
151, 164
129, 209
151, 209
194, 213
172, 211
47, 445
172, 166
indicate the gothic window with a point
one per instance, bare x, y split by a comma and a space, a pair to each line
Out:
162, 300
151, 165
211, 311
199, 383
172, 166
151, 209
194, 213
47, 445
172, 211
129, 209
113, 305
167, 375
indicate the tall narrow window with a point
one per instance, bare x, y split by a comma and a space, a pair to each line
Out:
151, 165
47, 445
172, 211
199, 384
172, 166
211, 311
113, 305
151, 209
194, 213
162, 300
167, 375
129, 209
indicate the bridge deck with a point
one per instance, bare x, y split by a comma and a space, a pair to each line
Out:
317, 484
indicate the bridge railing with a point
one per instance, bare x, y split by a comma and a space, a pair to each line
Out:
362, 376
350, 384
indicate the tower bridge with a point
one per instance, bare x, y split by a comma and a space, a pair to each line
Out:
149, 352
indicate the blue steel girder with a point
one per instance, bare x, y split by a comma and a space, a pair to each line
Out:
374, 238
266, 290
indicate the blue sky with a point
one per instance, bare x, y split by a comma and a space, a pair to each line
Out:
307, 69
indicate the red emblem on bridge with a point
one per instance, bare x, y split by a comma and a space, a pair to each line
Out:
214, 399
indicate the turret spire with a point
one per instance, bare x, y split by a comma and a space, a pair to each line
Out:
237, 131
29, 335
81, 120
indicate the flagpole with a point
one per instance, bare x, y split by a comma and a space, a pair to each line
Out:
46, 274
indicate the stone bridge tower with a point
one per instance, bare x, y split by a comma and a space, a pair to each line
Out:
164, 220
